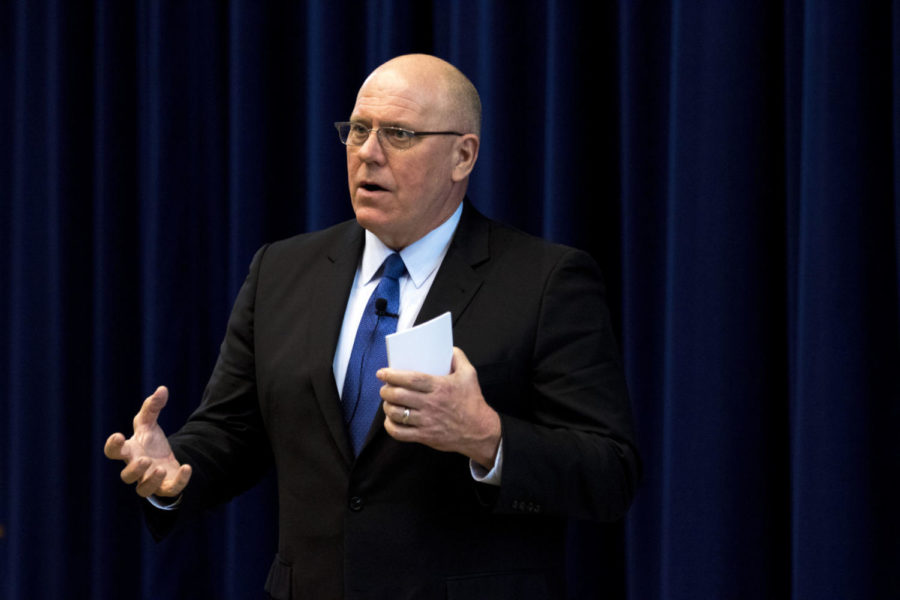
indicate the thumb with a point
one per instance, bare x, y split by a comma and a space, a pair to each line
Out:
460, 361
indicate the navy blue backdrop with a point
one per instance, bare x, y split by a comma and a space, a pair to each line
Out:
734, 168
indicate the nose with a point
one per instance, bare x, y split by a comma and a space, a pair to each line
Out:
371, 150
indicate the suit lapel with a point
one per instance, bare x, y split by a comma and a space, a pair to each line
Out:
457, 282
338, 267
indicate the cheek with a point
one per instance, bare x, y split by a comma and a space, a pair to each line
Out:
351, 165
415, 178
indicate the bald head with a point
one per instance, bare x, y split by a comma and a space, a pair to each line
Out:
456, 97
402, 193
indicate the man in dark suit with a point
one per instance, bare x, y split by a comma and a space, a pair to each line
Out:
454, 486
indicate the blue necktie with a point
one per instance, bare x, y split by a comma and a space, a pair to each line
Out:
361, 399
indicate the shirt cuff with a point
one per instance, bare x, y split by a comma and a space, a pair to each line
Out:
491, 477
158, 502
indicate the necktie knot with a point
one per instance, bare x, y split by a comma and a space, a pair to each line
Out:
393, 266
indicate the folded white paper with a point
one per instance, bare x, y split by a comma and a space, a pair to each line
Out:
426, 348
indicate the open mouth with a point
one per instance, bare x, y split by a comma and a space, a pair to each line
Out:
372, 187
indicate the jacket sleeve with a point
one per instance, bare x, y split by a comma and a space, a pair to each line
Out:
571, 452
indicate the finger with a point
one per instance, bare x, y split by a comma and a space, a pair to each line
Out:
401, 433
174, 486
151, 482
459, 361
395, 398
402, 415
114, 446
135, 470
151, 408
410, 380
402, 397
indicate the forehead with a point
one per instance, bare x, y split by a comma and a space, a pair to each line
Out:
390, 96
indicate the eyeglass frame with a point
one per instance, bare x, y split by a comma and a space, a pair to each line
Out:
413, 134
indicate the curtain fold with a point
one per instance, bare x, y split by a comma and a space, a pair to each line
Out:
844, 393
733, 167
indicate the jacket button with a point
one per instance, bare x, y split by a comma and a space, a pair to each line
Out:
356, 503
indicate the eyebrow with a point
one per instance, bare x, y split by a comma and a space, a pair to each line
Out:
395, 124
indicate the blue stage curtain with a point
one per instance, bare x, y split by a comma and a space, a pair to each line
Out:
734, 168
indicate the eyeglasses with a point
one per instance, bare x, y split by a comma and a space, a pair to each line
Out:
356, 134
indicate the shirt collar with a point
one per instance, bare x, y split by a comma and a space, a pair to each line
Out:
421, 257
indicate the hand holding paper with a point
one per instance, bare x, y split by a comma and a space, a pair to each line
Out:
432, 396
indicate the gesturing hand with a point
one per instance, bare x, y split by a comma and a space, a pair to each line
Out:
445, 412
149, 460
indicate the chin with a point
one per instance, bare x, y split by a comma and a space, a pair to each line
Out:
372, 219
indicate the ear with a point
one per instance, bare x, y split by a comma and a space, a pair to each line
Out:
465, 153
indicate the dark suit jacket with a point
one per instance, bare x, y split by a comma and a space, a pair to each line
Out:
403, 520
